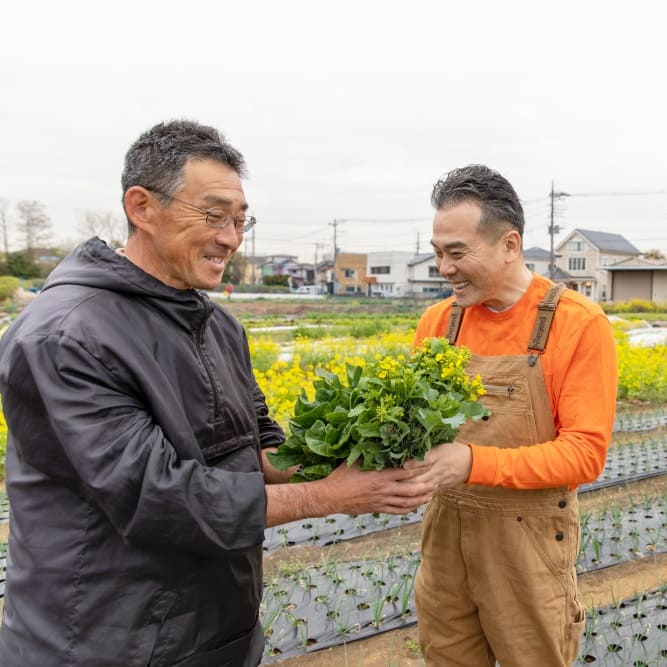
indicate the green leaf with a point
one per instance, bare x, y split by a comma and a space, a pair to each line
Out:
283, 460
354, 374
310, 473
311, 416
338, 416
369, 430
354, 454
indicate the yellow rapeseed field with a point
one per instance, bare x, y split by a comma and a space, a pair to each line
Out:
642, 371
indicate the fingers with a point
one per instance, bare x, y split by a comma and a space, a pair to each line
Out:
399, 506
416, 464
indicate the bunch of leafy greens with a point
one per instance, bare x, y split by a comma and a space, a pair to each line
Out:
383, 413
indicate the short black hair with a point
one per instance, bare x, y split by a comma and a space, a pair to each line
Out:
157, 159
492, 192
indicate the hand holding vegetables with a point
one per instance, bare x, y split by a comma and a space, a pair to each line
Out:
382, 414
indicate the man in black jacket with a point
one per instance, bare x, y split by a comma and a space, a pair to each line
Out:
136, 469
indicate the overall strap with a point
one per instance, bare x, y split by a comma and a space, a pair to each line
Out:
545, 314
454, 324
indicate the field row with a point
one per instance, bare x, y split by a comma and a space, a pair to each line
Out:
310, 608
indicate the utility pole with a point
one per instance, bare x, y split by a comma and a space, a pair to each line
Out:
254, 263
317, 246
417, 248
553, 229
335, 224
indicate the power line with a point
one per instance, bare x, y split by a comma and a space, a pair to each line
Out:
389, 220
629, 193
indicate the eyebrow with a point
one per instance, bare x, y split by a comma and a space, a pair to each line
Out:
455, 245
217, 200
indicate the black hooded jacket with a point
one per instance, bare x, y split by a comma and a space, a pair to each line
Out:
133, 473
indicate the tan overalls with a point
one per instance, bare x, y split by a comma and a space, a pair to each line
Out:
497, 580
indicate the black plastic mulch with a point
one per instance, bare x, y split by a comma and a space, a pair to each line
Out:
317, 607
640, 421
615, 535
632, 633
340, 602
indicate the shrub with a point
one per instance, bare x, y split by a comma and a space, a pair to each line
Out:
302, 332
635, 306
264, 352
8, 285
370, 328
276, 280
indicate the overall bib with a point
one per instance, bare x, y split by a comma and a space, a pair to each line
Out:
497, 579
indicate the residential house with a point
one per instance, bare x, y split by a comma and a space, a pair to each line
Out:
638, 278
391, 272
284, 265
537, 260
252, 273
585, 255
350, 273
424, 278
324, 276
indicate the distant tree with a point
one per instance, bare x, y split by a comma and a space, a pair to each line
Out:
4, 224
8, 285
35, 225
20, 264
654, 253
105, 224
235, 269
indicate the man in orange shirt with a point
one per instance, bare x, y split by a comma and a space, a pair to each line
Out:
500, 537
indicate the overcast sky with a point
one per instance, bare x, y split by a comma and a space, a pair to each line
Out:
347, 110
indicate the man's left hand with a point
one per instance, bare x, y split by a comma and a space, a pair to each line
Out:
446, 465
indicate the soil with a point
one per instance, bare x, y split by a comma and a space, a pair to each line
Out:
292, 310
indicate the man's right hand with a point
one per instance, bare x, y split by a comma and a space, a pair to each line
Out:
349, 490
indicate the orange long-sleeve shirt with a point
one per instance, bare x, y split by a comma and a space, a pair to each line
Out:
579, 366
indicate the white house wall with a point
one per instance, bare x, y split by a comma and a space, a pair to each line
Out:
397, 281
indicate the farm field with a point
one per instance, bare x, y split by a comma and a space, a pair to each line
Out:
319, 611
613, 569
338, 590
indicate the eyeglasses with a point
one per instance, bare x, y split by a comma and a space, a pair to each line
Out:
217, 219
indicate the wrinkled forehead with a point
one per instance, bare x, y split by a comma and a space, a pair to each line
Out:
213, 183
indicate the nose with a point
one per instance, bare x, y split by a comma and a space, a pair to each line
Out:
228, 237
446, 268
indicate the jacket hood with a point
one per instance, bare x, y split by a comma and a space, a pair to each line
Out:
94, 264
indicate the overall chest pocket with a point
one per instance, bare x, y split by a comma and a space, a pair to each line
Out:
511, 422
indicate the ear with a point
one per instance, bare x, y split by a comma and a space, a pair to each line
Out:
512, 244
141, 208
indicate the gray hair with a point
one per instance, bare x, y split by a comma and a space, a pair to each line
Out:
492, 192
157, 159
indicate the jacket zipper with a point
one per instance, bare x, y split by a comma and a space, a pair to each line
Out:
199, 336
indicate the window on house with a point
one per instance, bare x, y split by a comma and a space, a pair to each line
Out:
530, 266
433, 272
576, 264
350, 273
376, 270
575, 246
